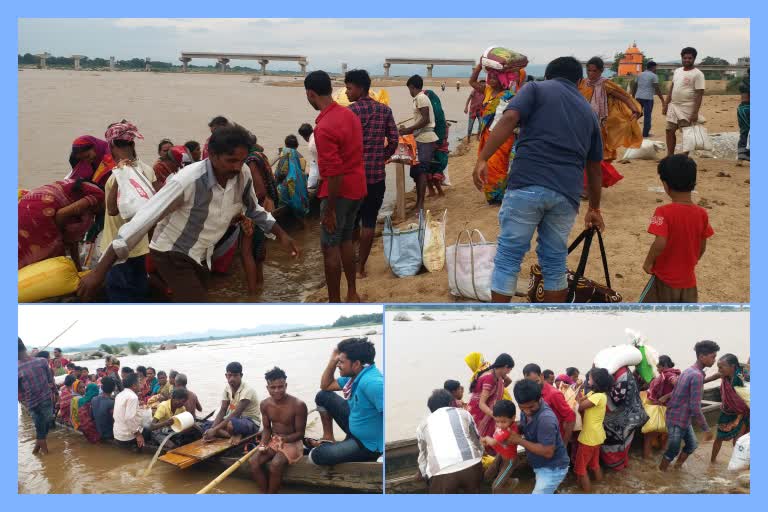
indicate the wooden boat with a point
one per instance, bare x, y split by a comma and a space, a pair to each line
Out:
402, 456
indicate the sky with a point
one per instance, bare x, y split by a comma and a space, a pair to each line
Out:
39, 324
366, 43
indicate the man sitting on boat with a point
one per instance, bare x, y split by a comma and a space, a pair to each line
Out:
165, 412
128, 427
285, 420
360, 413
242, 404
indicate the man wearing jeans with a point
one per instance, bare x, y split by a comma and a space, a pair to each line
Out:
36, 392
559, 137
360, 413
543, 445
684, 406
646, 85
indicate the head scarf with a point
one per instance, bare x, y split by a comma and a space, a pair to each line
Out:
84, 169
599, 101
565, 378
91, 391
732, 403
122, 131
505, 78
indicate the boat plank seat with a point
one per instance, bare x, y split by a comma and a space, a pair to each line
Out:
196, 451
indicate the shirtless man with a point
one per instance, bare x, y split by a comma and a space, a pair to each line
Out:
285, 419
242, 404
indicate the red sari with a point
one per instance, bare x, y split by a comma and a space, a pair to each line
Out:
40, 237
495, 388
87, 424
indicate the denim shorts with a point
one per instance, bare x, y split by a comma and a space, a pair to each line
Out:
548, 479
676, 437
425, 152
523, 211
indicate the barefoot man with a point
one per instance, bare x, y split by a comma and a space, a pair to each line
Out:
37, 393
242, 404
285, 419
360, 413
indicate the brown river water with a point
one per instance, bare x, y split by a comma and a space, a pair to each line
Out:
429, 352
56, 106
76, 466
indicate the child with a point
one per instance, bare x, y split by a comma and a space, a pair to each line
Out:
456, 390
681, 230
592, 435
742, 113
506, 459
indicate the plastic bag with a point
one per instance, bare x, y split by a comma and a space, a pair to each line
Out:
613, 358
743, 392
648, 150
657, 421
133, 192
403, 247
696, 137
434, 241
470, 267
740, 456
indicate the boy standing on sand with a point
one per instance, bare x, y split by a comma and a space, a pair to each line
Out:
685, 405
285, 419
681, 229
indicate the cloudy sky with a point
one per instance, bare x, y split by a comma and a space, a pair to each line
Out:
366, 43
40, 324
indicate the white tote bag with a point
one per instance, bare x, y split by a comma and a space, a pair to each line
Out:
696, 137
470, 266
434, 241
133, 190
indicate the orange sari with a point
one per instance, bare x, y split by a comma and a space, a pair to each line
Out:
620, 128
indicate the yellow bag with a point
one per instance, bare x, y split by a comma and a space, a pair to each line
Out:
382, 96
657, 421
743, 392
570, 397
53, 277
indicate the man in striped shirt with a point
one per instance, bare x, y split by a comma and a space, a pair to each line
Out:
190, 214
450, 454
684, 406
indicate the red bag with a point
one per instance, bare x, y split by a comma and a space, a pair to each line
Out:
610, 175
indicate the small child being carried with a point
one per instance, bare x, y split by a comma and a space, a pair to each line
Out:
506, 459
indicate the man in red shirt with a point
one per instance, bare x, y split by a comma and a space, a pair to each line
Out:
339, 140
555, 400
681, 229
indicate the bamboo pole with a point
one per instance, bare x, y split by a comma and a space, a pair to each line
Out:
400, 198
231, 469
60, 335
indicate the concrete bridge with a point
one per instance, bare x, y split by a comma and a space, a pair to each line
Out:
430, 63
224, 58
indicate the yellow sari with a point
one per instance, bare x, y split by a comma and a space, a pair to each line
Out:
620, 128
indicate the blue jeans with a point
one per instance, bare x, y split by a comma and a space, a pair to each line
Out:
647, 113
471, 123
42, 415
676, 437
523, 211
548, 479
349, 450
127, 282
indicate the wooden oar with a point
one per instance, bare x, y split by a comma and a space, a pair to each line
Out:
231, 469
60, 335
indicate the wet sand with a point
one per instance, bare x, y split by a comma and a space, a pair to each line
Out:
75, 466
723, 272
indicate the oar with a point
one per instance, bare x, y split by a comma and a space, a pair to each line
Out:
227, 472
60, 335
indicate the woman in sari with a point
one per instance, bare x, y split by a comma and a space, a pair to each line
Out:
623, 415
659, 391
487, 387
500, 88
90, 160
53, 218
82, 419
734, 410
291, 180
65, 399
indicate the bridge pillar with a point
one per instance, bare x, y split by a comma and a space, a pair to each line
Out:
147, 65
184, 63
343, 68
303, 65
387, 65
429, 70
111, 63
223, 64
43, 60
264, 66
77, 61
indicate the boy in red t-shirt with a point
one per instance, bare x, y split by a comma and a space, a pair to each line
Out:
681, 230
506, 459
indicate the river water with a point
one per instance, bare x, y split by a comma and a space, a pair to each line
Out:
76, 466
424, 354
56, 106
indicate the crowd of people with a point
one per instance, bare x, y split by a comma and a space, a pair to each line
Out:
567, 422
136, 408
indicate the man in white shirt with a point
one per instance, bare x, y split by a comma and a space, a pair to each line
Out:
450, 453
240, 411
307, 133
128, 429
684, 98
190, 215
423, 130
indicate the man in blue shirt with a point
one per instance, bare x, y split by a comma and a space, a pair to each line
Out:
359, 413
559, 138
541, 439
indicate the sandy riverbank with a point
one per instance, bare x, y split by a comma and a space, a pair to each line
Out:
723, 187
